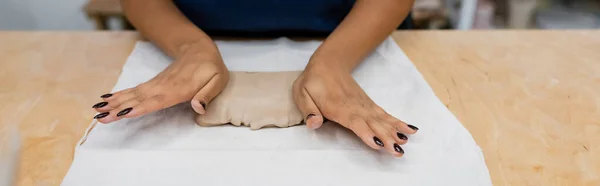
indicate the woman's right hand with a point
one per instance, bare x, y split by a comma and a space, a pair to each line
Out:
194, 76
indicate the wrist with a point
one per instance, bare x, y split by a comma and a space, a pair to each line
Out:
199, 51
197, 47
325, 64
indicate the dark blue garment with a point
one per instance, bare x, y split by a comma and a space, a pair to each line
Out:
266, 17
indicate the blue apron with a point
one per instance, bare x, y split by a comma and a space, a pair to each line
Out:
267, 17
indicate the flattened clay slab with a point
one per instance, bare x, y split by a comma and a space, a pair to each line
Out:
254, 99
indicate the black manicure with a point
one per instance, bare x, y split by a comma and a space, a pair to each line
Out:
378, 141
124, 111
100, 105
413, 127
106, 96
402, 136
101, 115
398, 149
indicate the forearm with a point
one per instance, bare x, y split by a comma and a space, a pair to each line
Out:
163, 23
364, 28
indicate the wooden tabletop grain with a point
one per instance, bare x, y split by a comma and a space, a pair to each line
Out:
531, 99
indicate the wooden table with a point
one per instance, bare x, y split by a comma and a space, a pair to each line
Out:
531, 99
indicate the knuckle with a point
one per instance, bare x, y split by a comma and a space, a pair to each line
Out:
394, 128
202, 98
142, 87
138, 95
374, 122
397, 123
159, 100
392, 125
390, 119
298, 82
296, 90
352, 120
334, 114
380, 112
222, 76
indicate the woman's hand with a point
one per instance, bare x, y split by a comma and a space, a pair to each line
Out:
323, 92
193, 76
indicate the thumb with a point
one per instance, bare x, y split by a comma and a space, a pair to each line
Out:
209, 92
312, 116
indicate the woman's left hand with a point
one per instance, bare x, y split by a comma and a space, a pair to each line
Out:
324, 92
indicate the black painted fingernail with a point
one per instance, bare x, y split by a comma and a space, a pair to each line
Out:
203, 105
101, 115
106, 96
124, 111
378, 141
398, 149
413, 127
100, 105
402, 136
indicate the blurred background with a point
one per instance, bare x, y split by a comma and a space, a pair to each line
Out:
427, 14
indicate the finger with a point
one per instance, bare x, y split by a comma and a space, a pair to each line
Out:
399, 137
119, 112
146, 106
115, 100
208, 92
401, 126
106, 96
388, 140
308, 108
364, 132
114, 95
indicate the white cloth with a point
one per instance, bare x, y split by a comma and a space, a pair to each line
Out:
168, 148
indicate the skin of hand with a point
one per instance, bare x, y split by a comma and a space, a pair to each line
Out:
326, 88
208, 75
197, 73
